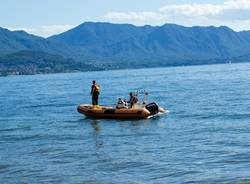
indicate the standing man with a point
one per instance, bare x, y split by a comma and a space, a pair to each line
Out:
95, 91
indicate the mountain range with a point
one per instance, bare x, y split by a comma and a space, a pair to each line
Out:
101, 46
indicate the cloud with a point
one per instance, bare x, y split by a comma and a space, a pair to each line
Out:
48, 30
136, 16
45, 30
191, 9
205, 9
231, 13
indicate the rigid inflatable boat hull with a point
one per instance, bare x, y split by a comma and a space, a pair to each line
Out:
110, 112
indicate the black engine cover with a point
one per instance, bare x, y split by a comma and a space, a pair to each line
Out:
153, 108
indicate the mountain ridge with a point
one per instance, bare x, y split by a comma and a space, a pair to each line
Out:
108, 46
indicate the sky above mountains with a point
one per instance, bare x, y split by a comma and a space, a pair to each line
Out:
48, 17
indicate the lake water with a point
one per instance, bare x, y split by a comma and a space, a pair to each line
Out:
205, 138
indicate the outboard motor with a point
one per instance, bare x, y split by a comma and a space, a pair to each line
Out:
153, 108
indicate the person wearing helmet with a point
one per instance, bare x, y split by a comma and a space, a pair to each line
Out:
95, 91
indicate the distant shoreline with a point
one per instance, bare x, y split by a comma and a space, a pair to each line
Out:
114, 69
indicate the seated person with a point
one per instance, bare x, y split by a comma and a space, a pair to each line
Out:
133, 99
121, 104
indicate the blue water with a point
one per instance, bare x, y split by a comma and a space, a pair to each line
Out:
205, 138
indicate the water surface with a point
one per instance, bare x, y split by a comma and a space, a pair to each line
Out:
204, 139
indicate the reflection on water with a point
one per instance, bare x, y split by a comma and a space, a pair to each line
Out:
96, 126
96, 134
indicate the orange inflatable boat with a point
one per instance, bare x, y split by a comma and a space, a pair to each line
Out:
123, 110
121, 113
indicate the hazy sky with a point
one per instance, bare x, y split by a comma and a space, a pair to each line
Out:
47, 17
